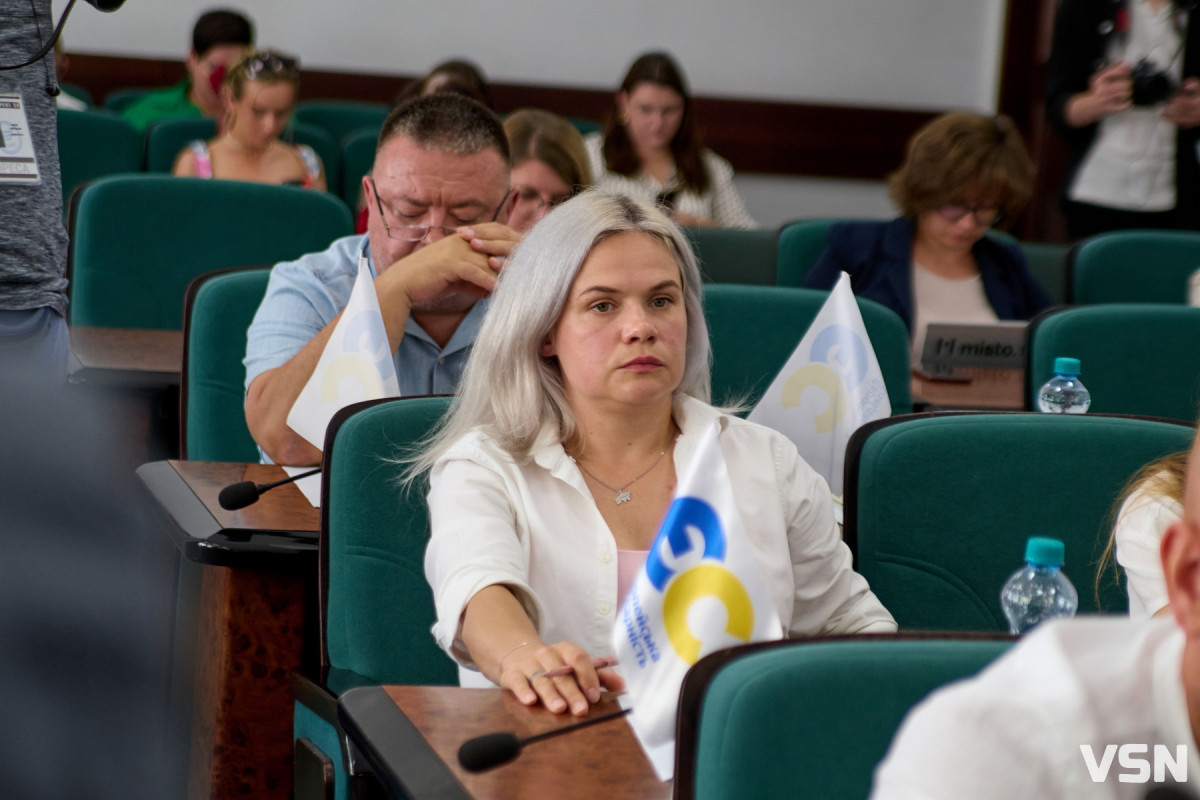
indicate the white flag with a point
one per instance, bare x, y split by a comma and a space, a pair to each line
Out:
355, 365
829, 386
700, 591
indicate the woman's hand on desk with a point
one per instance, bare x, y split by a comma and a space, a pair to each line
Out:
524, 673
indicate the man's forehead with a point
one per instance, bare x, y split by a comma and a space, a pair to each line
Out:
404, 166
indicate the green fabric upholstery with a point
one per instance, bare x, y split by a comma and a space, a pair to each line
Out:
340, 118
379, 608
754, 329
586, 126
120, 99
358, 157
938, 507
813, 718
1133, 356
220, 307
77, 91
731, 255
139, 240
800, 245
165, 138
1048, 263
326, 738
1133, 267
92, 144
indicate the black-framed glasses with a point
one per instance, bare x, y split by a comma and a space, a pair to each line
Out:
986, 215
417, 233
531, 196
266, 63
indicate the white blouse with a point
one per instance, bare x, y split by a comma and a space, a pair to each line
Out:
721, 203
534, 527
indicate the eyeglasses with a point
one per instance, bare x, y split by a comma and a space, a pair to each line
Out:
527, 194
266, 63
417, 233
987, 215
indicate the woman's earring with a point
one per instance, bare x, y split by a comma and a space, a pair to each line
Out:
623, 118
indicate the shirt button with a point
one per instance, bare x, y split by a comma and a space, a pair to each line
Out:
606, 558
441, 361
603, 608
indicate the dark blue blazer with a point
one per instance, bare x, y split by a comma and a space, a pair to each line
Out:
878, 257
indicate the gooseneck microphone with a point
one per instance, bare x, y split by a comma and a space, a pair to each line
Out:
240, 495
494, 749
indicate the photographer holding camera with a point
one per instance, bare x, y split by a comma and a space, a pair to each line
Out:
1122, 88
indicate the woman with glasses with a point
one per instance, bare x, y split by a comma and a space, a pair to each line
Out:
652, 150
964, 173
549, 164
259, 95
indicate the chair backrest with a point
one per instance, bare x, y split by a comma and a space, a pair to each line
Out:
800, 245
754, 329
341, 117
939, 506
732, 255
217, 311
808, 718
377, 608
120, 99
166, 137
92, 144
1134, 357
1048, 265
1133, 267
358, 156
78, 92
139, 240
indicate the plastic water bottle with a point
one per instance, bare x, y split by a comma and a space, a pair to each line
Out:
1038, 591
1064, 393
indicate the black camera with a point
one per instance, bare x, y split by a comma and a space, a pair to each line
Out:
1151, 85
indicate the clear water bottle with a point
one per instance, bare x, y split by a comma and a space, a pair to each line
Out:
1038, 591
1064, 393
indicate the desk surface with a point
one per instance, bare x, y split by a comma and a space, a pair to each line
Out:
277, 532
996, 389
126, 357
410, 735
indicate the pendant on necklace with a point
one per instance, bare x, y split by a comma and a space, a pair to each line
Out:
623, 497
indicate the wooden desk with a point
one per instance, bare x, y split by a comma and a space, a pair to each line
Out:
246, 617
997, 389
410, 736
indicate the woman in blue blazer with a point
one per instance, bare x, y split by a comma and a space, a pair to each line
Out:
964, 173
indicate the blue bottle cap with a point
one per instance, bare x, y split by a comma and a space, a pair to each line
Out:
1044, 552
1066, 366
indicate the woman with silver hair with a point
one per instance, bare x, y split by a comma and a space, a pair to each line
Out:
586, 392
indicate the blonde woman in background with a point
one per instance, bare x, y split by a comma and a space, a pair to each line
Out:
549, 164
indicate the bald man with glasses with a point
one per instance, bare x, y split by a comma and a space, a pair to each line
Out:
438, 201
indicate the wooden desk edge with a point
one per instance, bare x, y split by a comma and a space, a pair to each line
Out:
177, 500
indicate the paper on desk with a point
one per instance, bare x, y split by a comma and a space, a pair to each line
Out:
356, 364
310, 486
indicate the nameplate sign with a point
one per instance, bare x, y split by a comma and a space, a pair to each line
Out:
998, 345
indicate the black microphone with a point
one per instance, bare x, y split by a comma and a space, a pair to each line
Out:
240, 495
494, 749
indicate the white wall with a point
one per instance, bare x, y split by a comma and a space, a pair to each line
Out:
918, 54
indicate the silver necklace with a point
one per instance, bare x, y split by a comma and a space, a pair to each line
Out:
623, 495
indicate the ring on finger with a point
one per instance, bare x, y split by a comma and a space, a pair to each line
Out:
535, 674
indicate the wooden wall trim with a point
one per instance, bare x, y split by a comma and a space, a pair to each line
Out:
754, 135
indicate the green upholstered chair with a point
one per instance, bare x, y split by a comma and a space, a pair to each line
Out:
120, 99
92, 144
139, 240
800, 245
165, 138
754, 329
217, 311
808, 718
1048, 264
339, 118
1133, 267
938, 506
358, 156
731, 255
1135, 357
376, 607
586, 126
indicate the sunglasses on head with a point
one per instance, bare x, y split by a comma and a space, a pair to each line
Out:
266, 63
